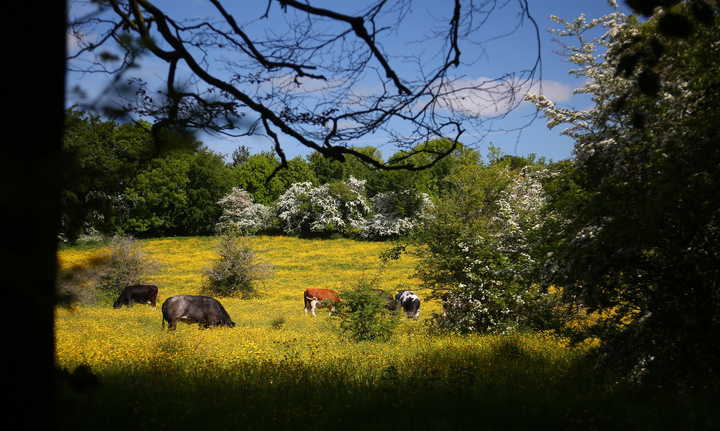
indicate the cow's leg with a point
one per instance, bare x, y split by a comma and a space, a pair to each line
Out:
313, 306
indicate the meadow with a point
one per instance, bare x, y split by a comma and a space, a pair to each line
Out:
281, 369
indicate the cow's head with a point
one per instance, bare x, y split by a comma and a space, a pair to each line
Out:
392, 305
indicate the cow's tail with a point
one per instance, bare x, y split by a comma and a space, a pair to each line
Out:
163, 322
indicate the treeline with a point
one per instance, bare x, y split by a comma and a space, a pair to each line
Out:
123, 179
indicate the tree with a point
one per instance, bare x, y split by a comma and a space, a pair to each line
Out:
156, 195
240, 156
101, 158
240, 216
429, 181
328, 170
118, 179
209, 179
639, 209
300, 71
337, 207
259, 177
395, 214
476, 244
297, 171
256, 177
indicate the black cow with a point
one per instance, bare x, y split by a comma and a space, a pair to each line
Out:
202, 310
409, 301
137, 293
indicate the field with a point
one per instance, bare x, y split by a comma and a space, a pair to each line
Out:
281, 369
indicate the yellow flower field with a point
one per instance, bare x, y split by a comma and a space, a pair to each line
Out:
281, 369
102, 336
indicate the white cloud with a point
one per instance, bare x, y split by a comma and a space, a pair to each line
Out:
489, 97
555, 91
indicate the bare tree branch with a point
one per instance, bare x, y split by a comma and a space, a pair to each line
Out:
321, 77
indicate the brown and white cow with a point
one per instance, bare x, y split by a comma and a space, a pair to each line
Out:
314, 299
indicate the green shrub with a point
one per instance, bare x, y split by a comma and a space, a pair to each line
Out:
121, 263
278, 322
362, 314
237, 269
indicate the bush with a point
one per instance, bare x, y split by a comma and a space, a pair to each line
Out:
362, 314
121, 263
237, 269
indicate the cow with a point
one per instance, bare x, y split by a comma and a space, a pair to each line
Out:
314, 297
203, 310
139, 293
387, 298
409, 301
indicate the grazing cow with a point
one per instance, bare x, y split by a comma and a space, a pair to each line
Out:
314, 298
203, 310
139, 293
409, 301
387, 298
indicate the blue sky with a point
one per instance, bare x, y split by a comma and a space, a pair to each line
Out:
494, 59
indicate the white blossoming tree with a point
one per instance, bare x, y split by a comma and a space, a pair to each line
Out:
240, 215
338, 207
641, 200
476, 248
395, 214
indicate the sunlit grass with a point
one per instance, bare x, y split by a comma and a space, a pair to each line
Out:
281, 369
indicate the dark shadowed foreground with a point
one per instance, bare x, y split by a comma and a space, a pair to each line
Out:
502, 387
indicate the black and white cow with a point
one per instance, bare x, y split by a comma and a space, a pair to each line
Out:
203, 310
409, 301
137, 293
